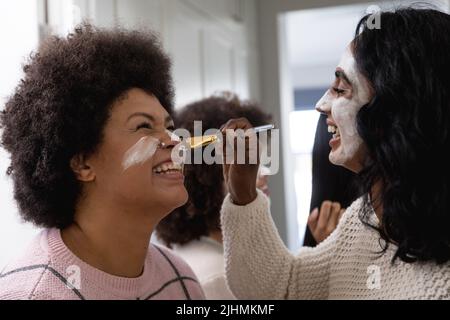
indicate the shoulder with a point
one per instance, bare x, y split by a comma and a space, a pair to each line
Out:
169, 265
350, 226
170, 259
355, 208
23, 274
350, 220
434, 280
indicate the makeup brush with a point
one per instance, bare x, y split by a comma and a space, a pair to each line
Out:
202, 141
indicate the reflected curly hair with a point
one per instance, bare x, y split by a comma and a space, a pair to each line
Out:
205, 183
406, 128
61, 106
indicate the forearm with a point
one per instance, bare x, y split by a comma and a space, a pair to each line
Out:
258, 264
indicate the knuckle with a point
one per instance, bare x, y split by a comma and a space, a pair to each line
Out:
326, 204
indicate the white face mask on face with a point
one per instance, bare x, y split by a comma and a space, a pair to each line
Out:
344, 110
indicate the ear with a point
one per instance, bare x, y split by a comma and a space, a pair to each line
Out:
83, 171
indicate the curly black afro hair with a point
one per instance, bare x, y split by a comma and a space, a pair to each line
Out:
204, 183
61, 106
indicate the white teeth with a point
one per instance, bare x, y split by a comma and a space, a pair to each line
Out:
177, 166
166, 167
332, 129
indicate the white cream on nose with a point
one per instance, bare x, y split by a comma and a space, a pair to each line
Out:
144, 149
324, 104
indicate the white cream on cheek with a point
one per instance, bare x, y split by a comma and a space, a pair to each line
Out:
344, 114
344, 111
140, 152
361, 91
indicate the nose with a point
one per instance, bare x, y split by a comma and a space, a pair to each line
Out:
324, 104
169, 140
321, 110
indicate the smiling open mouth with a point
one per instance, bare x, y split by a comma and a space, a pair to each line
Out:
334, 130
167, 168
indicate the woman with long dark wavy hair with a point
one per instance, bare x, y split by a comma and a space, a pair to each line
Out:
389, 110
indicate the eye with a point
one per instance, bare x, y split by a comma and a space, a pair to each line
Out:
338, 91
144, 125
171, 128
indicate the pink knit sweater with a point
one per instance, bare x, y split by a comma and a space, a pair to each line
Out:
49, 270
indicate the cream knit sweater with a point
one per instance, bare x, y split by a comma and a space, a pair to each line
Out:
344, 266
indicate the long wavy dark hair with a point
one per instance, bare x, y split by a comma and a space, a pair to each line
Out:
406, 129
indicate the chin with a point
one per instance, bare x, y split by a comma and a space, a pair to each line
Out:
339, 160
336, 158
176, 199
349, 164
183, 198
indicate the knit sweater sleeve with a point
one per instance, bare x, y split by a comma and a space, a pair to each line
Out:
259, 266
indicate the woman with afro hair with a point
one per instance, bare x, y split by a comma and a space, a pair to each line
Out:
89, 133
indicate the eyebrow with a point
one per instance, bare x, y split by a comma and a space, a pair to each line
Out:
341, 75
167, 120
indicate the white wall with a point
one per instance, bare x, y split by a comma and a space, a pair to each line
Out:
316, 38
213, 44
212, 47
18, 36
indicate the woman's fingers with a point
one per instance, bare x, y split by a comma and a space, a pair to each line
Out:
322, 223
239, 173
325, 211
334, 216
240, 143
313, 219
239, 123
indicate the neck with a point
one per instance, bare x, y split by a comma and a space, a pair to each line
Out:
112, 239
377, 203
